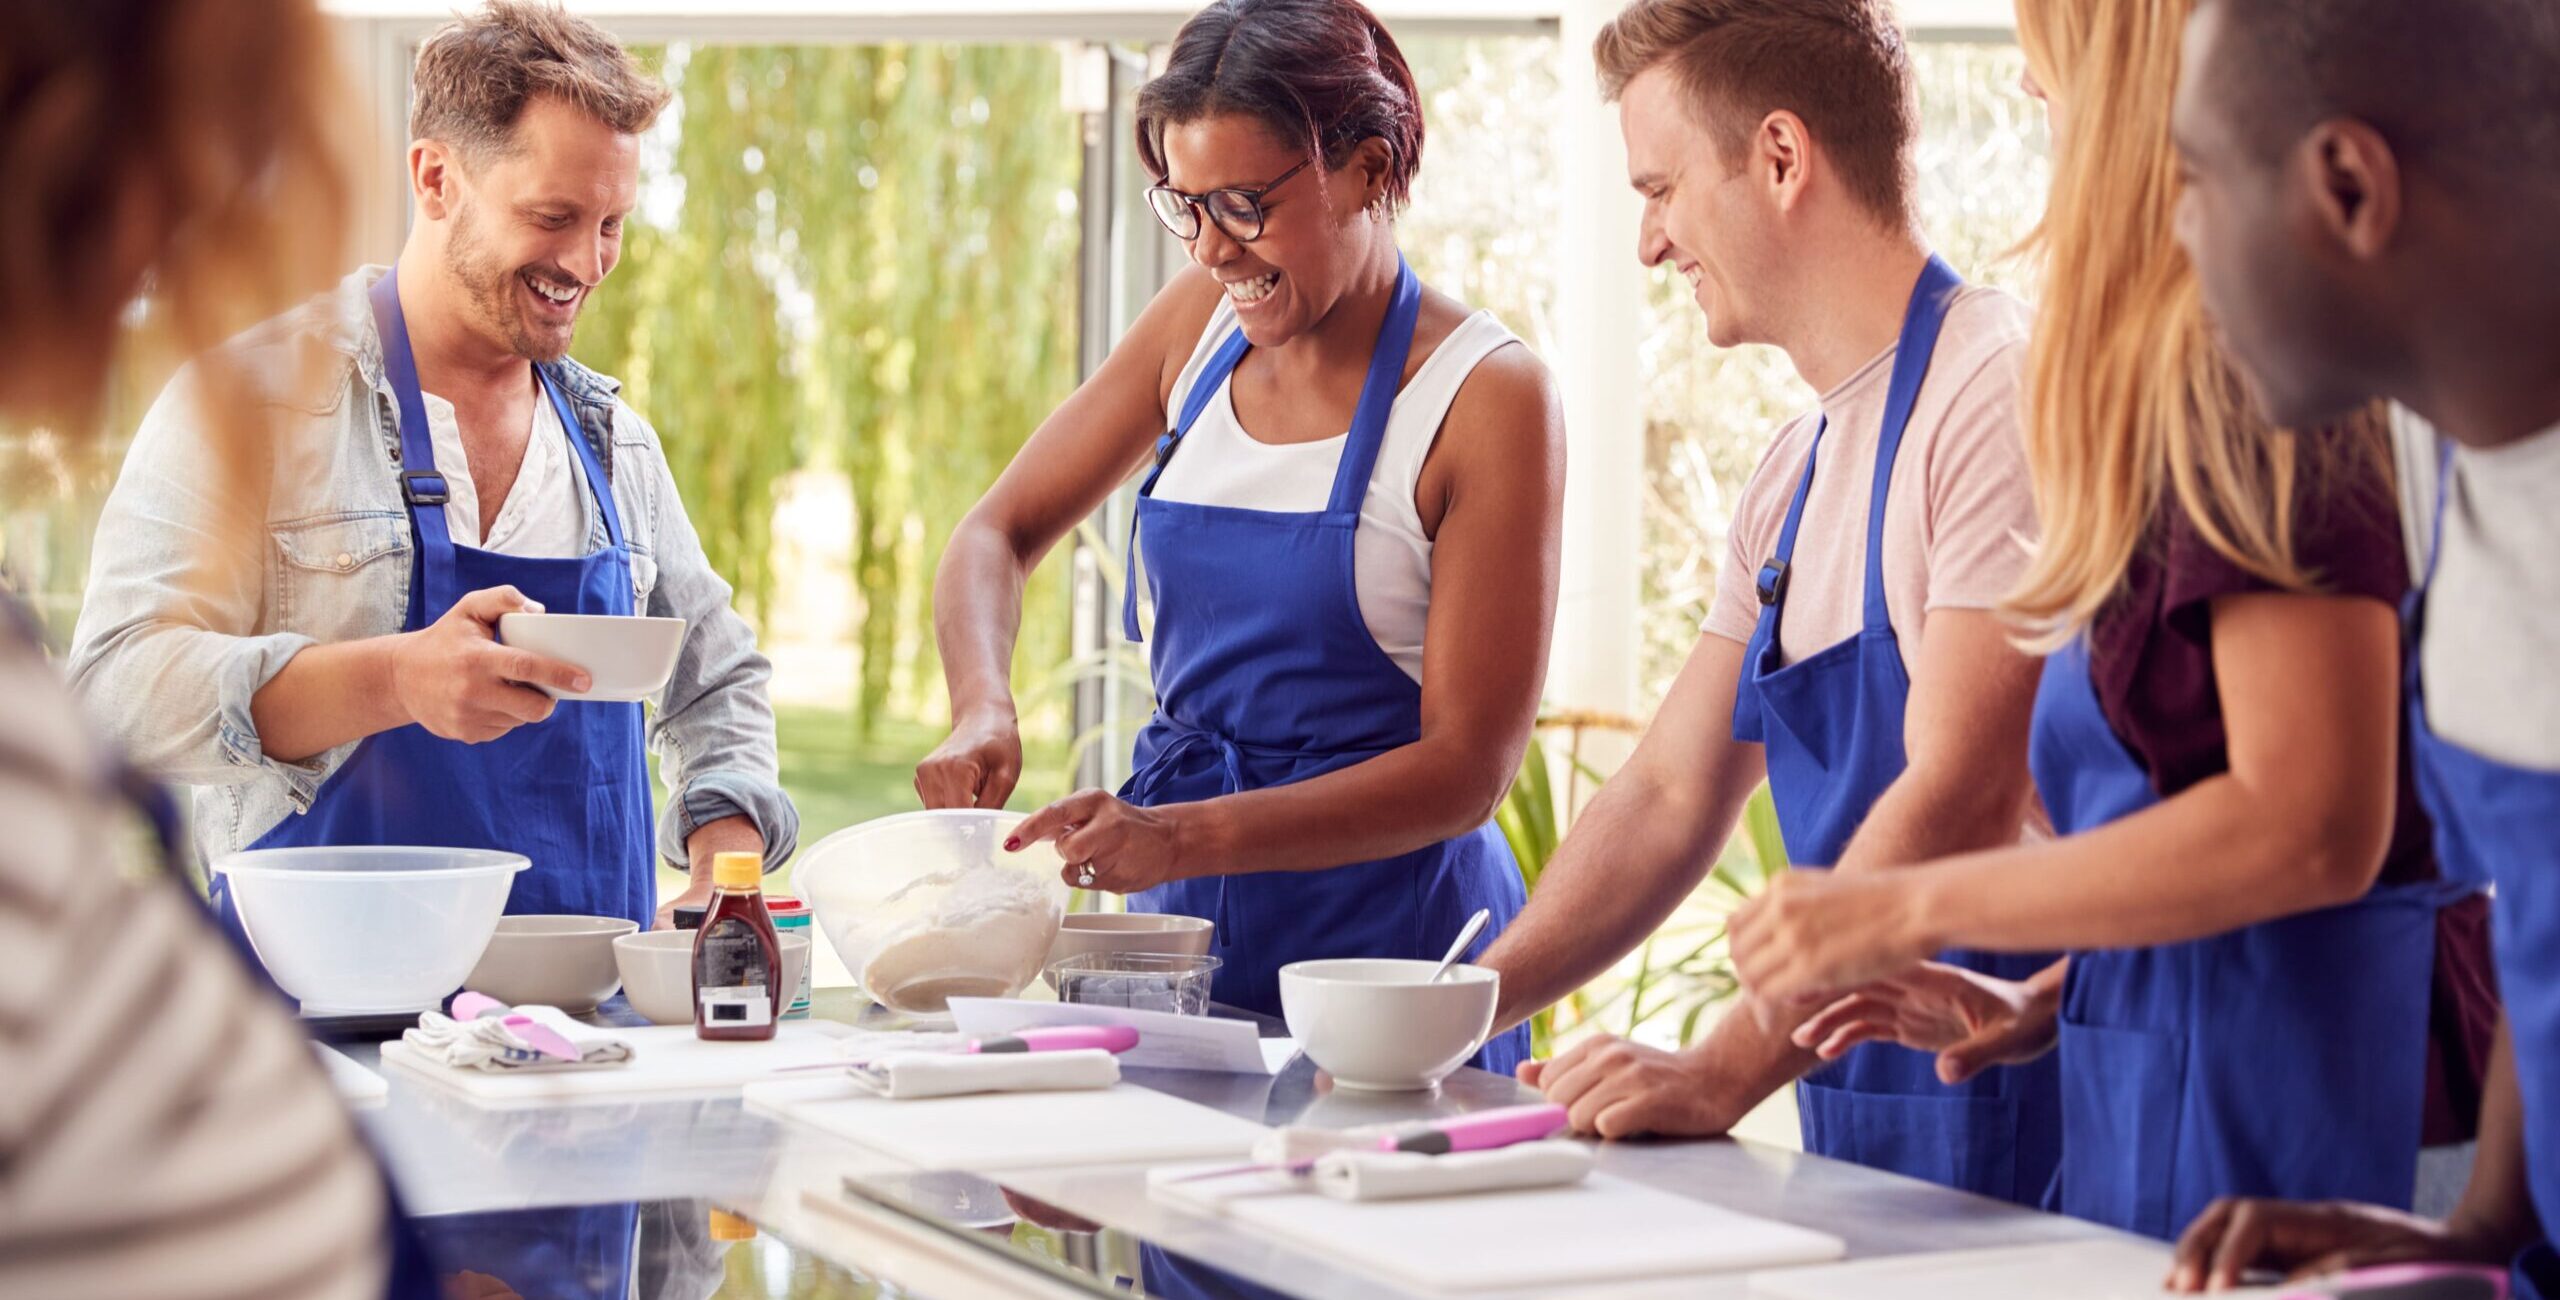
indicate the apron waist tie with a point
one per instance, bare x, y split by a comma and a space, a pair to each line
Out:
1145, 784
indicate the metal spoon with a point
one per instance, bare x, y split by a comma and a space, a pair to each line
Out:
1466, 935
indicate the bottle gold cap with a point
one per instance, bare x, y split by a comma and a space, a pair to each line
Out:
729, 1227
737, 871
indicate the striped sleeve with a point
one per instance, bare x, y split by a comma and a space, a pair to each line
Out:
164, 1130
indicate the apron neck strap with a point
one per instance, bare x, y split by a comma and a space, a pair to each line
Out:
1921, 320
2413, 608
1377, 394
421, 486
598, 482
1359, 451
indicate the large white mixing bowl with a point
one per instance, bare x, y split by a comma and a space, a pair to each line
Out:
928, 906
367, 930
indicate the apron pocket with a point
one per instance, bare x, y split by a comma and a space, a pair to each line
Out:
1969, 1143
2120, 1103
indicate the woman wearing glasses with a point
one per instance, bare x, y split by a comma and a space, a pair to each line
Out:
1348, 528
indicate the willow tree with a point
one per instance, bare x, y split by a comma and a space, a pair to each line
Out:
871, 268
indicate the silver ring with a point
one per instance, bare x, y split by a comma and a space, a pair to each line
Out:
1084, 877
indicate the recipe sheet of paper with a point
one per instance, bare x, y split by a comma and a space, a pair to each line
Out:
1165, 1041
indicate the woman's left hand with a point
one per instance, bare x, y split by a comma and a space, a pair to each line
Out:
1814, 935
1109, 844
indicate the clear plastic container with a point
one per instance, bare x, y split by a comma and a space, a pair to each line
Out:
1140, 981
365, 930
924, 907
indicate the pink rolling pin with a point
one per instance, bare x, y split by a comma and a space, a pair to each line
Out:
1484, 1130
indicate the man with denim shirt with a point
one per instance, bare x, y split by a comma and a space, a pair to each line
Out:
334, 677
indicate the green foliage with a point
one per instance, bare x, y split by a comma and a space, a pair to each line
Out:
1681, 971
843, 260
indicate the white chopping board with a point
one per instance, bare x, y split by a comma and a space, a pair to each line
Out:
666, 1060
2100, 1269
1014, 1130
1602, 1229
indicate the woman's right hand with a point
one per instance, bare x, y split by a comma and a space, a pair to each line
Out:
977, 765
1971, 1020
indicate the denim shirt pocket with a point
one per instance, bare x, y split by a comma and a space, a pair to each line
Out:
337, 574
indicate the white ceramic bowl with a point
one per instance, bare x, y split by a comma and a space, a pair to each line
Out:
369, 930
628, 657
1080, 933
657, 972
928, 906
1372, 1022
552, 961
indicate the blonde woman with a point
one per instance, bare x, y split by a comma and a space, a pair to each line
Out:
2216, 739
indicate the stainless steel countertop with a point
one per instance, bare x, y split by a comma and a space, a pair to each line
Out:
452, 1157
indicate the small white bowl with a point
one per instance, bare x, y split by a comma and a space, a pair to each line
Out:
1080, 933
1373, 1023
657, 972
628, 658
553, 961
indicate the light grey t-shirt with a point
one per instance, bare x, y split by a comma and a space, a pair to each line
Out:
2490, 664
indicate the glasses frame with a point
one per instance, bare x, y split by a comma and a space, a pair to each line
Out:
1196, 206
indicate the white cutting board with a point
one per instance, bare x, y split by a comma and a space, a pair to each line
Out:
1602, 1229
666, 1060
1014, 1130
2101, 1269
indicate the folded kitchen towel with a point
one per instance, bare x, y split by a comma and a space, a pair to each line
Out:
486, 1044
906, 1076
1405, 1175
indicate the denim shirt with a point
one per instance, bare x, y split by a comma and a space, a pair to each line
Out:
188, 614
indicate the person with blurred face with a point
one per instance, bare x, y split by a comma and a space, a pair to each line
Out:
167, 1131
1349, 531
2240, 876
337, 679
1851, 653
2373, 205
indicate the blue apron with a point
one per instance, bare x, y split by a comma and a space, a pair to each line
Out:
1268, 675
1832, 726
582, 1252
571, 793
2284, 1059
2498, 823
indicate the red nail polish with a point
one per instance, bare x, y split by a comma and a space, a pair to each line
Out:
1013, 845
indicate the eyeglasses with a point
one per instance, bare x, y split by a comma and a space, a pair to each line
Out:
1238, 212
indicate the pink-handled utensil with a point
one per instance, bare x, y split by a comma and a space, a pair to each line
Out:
529, 1031
1114, 1039
1483, 1130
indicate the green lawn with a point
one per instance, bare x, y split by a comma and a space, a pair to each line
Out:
839, 779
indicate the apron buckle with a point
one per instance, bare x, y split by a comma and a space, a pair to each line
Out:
423, 496
1773, 582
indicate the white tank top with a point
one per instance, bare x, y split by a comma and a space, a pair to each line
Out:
1222, 465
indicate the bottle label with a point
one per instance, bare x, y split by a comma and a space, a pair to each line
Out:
731, 976
745, 1007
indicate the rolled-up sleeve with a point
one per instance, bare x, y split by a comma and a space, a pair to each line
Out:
713, 732
167, 655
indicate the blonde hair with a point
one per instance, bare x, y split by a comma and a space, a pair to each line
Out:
176, 172
2125, 389
201, 142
